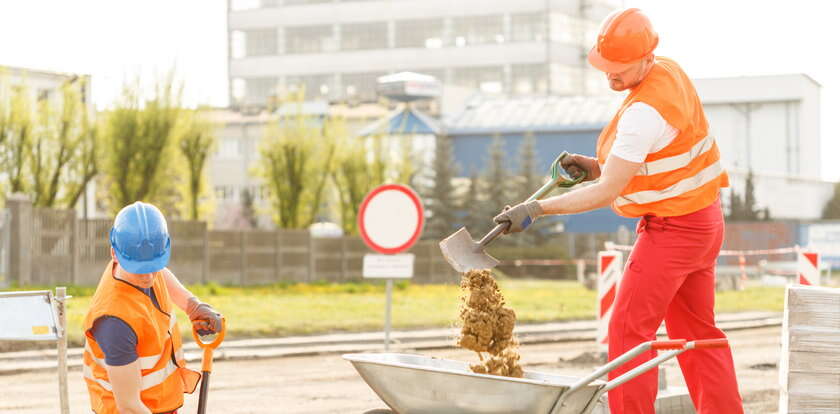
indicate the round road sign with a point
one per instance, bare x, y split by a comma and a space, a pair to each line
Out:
391, 218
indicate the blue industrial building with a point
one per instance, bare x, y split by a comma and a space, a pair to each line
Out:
557, 123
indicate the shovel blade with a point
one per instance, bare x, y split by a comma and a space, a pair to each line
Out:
465, 254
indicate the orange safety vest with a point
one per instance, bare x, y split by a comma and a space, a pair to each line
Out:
163, 369
686, 175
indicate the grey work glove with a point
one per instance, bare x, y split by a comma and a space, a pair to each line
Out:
519, 216
204, 318
576, 164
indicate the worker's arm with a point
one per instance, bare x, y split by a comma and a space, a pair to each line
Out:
205, 319
616, 173
127, 384
177, 292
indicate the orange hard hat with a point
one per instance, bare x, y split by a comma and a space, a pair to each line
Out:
626, 36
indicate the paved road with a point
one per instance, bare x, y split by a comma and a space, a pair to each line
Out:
328, 384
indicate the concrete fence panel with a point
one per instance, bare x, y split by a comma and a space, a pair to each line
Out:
259, 257
225, 251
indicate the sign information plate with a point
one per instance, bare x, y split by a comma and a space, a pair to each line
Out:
394, 266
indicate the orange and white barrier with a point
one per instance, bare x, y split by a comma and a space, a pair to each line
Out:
808, 268
609, 277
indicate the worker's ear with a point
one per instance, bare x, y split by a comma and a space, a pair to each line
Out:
114, 255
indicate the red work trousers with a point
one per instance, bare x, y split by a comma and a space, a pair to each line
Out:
670, 275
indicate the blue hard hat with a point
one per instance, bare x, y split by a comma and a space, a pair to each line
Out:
140, 238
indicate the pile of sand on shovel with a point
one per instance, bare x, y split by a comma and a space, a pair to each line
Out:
488, 325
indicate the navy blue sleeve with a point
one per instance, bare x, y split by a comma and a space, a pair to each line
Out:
117, 340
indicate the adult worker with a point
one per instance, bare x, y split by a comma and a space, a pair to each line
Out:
656, 161
133, 361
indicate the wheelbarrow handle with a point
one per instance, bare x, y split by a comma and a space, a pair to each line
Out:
674, 347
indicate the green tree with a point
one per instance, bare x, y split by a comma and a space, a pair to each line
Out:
743, 208
297, 157
441, 201
531, 180
16, 128
475, 218
196, 143
832, 207
62, 158
497, 187
140, 144
248, 212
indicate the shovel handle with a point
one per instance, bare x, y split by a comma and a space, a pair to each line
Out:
493, 234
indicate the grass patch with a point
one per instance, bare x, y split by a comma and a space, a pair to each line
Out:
300, 309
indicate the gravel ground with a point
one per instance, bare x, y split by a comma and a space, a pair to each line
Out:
328, 384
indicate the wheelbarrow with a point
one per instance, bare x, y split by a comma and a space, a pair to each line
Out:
416, 384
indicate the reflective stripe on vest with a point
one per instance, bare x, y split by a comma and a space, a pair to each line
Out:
148, 381
147, 362
691, 183
677, 161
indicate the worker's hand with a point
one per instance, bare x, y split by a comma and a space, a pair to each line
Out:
204, 318
576, 164
519, 216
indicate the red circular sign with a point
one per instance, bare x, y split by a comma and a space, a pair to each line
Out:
391, 218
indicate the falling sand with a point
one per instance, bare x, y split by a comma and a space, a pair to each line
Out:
488, 325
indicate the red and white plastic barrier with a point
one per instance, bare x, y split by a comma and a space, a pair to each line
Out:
808, 268
609, 277
808, 262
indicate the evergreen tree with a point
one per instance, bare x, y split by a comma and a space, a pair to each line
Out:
474, 219
441, 198
744, 208
832, 207
496, 183
530, 181
249, 214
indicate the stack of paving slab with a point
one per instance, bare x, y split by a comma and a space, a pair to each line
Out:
810, 363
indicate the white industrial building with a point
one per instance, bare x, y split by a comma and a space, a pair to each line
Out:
336, 49
770, 125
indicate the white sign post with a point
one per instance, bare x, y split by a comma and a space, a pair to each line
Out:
390, 222
38, 316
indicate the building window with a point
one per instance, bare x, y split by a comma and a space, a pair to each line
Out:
301, 2
529, 78
229, 149
487, 78
261, 42
360, 36
258, 90
567, 29
224, 192
237, 44
360, 86
528, 27
237, 5
316, 86
476, 30
310, 39
425, 33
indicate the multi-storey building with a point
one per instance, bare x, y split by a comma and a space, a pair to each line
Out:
336, 49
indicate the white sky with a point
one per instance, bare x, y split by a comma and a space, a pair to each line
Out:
115, 39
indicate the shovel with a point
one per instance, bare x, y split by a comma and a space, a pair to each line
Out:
207, 364
465, 254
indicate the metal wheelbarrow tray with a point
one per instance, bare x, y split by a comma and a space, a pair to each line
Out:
417, 384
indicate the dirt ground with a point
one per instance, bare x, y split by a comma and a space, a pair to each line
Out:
328, 384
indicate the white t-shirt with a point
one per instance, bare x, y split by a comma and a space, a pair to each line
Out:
641, 130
